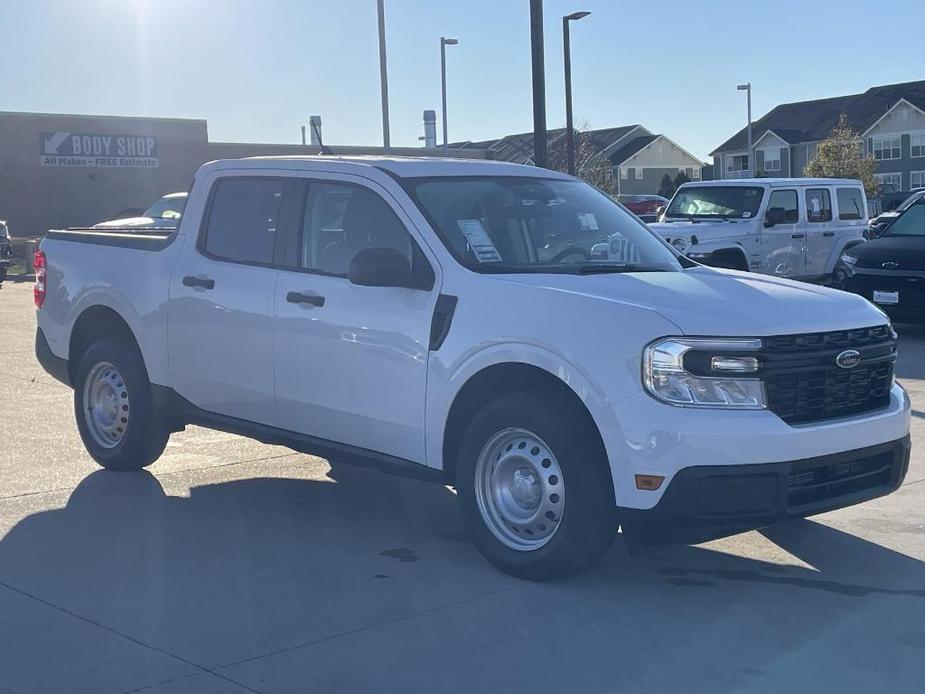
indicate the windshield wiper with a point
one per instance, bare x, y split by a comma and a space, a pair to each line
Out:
604, 268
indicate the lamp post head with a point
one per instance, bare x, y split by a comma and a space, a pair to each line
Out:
448, 42
575, 15
744, 87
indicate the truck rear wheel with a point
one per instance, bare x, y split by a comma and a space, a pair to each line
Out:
534, 486
115, 411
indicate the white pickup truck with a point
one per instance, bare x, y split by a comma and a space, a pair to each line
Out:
786, 227
503, 329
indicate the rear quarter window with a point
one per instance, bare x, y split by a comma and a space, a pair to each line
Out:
850, 203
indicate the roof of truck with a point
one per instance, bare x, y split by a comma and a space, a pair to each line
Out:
776, 182
403, 167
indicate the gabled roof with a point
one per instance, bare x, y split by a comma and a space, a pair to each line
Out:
811, 121
519, 147
633, 146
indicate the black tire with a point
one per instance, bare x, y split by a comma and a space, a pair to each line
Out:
588, 523
145, 435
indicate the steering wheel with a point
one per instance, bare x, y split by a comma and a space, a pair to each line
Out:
561, 255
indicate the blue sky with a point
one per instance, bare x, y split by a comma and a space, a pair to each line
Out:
256, 69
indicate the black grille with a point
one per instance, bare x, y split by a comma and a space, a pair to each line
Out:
805, 384
811, 483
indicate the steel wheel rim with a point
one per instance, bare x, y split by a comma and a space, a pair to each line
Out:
519, 489
106, 405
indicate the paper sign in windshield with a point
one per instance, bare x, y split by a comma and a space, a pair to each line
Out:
479, 241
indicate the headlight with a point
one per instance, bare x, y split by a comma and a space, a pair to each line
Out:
680, 245
848, 259
703, 372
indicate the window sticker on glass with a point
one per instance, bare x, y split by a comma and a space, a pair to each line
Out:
479, 241
588, 222
746, 215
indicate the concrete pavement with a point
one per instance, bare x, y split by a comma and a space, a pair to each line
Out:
232, 566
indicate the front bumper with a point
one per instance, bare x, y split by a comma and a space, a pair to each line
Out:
706, 502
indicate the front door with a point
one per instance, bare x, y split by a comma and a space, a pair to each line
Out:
782, 237
220, 310
351, 361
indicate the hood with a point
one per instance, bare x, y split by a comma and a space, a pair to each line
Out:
907, 251
703, 230
139, 223
708, 302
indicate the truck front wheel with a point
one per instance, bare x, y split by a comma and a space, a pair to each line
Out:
534, 486
115, 411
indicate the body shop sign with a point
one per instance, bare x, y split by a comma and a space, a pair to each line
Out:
99, 151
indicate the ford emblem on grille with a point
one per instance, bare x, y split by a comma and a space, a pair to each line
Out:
890, 265
848, 359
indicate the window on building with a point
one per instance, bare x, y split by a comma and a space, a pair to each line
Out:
850, 203
782, 206
889, 182
886, 147
624, 173
771, 158
818, 205
242, 220
918, 145
696, 174
737, 162
917, 179
639, 173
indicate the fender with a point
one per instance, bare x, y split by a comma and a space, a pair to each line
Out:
153, 351
842, 244
703, 252
446, 381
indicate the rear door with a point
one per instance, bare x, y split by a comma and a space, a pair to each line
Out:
220, 310
820, 229
781, 234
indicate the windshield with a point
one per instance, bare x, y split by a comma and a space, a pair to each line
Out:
910, 201
711, 202
910, 223
167, 208
508, 224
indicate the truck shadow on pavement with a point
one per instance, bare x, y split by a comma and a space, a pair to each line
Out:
277, 582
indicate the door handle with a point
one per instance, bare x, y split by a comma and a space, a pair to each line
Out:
300, 298
204, 282
828, 233
797, 236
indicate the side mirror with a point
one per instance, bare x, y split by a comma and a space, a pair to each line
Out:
383, 267
774, 216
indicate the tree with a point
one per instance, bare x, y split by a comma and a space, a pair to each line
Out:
679, 180
589, 166
841, 156
667, 187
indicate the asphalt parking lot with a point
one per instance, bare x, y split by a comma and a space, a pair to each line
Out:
234, 566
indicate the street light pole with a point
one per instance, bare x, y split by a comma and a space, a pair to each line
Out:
383, 78
747, 87
444, 42
539, 83
567, 50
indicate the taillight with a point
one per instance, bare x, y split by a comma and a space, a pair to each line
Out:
41, 266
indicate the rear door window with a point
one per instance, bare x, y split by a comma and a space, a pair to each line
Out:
850, 203
818, 205
243, 218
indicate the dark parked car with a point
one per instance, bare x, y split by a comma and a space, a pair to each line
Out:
6, 250
890, 270
882, 221
643, 206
